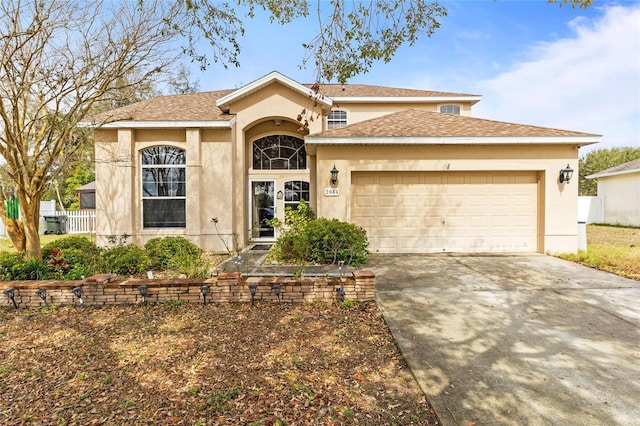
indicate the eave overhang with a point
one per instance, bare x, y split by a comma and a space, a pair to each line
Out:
406, 99
609, 174
133, 124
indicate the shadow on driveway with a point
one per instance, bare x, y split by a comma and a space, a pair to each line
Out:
515, 339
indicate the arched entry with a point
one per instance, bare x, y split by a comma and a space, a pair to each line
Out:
276, 159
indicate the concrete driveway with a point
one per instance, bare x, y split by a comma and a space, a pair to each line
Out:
515, 339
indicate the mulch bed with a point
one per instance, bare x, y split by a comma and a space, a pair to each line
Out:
220, 364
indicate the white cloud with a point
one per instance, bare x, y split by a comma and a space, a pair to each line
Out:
589, 82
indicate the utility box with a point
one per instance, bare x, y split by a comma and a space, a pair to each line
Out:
56, 224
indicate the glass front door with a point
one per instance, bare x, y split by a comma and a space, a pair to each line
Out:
263, 209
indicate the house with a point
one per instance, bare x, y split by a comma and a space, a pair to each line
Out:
619, 190
87, 196
412, 167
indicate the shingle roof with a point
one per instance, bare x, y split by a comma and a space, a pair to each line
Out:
189, 107
419, 123
365, 90
629, 167
202, 106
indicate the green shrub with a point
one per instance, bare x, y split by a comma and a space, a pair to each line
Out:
124, 260
331, 240
9, 261
71, 242
187, 264
327, 241
71, 257
30, 268
161, 251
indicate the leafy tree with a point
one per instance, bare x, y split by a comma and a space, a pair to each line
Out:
58, 60
598, 160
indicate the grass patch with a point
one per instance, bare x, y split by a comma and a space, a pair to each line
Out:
7, 245
612, 249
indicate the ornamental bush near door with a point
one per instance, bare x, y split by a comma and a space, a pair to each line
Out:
304, 239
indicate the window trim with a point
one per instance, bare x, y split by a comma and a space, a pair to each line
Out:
336, 122
458, 106
144, 197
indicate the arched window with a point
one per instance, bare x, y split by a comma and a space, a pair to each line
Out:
450, 109
163, 187
279, 152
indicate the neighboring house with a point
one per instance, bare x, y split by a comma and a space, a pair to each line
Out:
87, 196
619, 190
413, 168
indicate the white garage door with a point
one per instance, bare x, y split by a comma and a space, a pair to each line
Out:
434, 212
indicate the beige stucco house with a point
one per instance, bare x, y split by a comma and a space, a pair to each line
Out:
414, 169
619, 190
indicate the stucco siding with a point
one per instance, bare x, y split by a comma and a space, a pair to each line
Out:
357, 112
621, 197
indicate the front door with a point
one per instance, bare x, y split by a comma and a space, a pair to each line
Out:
263, 209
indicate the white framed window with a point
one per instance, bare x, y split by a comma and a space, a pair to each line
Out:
337, 118
164, 187
294, 192
450, 109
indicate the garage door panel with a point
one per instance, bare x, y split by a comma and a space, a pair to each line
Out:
366, 201
409, 212
387, 201
387, 180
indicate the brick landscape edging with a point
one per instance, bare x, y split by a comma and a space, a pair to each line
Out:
107, 289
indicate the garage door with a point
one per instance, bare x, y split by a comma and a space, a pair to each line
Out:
434, 212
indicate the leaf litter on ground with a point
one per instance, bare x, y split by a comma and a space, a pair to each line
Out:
219, 364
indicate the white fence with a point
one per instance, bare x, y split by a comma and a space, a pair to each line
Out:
80, 221
590, 209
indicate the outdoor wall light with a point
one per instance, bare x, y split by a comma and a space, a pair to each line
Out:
144, 292
205, 291
11, 294
42, 294
334, 175
276, 289
77, 292
566, 174
253, 289
340, 293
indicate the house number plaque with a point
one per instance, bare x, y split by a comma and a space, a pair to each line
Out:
331, 192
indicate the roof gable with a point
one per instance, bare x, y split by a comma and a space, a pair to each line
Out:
273, 77
413, 123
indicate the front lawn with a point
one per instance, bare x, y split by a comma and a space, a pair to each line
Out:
611, 248
222, 364
7, 245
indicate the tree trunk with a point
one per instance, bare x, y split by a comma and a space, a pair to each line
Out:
30, 215
15, 231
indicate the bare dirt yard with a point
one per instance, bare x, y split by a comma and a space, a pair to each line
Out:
219, 364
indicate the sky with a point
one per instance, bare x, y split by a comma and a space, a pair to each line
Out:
532, 63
